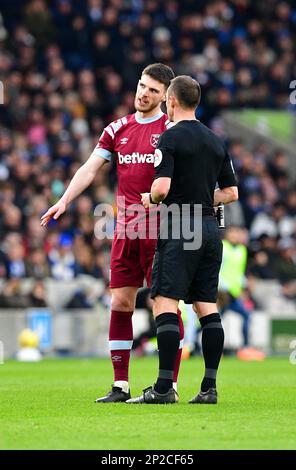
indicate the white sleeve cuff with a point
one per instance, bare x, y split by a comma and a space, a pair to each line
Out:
99, 152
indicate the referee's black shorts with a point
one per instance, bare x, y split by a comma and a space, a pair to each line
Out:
189, 275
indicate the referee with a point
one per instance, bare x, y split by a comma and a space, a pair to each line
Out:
189, 161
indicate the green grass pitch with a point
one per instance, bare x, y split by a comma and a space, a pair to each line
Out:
50, 405
279, 123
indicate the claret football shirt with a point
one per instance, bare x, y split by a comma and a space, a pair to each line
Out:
133, 140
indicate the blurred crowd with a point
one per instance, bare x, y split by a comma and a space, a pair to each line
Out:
71, 66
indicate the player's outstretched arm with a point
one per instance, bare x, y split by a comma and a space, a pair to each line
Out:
80, 181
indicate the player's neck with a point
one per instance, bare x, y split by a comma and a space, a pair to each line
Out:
149, 114
184, 116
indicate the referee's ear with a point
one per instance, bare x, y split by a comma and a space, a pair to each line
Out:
173, 100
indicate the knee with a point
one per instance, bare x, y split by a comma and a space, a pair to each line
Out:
204, 308
164, 304
122, 304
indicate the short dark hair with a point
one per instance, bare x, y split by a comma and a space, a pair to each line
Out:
186, 90
160, 72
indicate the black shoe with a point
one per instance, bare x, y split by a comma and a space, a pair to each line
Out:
150, 396
206, 398
116, 395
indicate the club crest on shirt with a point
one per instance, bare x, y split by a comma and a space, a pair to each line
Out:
154, 140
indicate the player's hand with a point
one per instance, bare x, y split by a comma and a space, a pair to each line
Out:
146, 200
53, 212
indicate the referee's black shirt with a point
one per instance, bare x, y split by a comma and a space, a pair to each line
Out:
196, 159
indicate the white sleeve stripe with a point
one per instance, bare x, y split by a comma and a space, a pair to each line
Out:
116, 125
110, 131
231, 163
106, 154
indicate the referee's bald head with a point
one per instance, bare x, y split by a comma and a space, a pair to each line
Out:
186, 90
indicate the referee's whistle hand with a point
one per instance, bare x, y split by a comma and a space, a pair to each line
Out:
145, 199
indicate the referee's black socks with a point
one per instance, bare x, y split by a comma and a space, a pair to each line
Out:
168, 340
212, 348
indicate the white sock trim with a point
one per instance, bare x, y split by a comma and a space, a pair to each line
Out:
117, 345
122, 384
